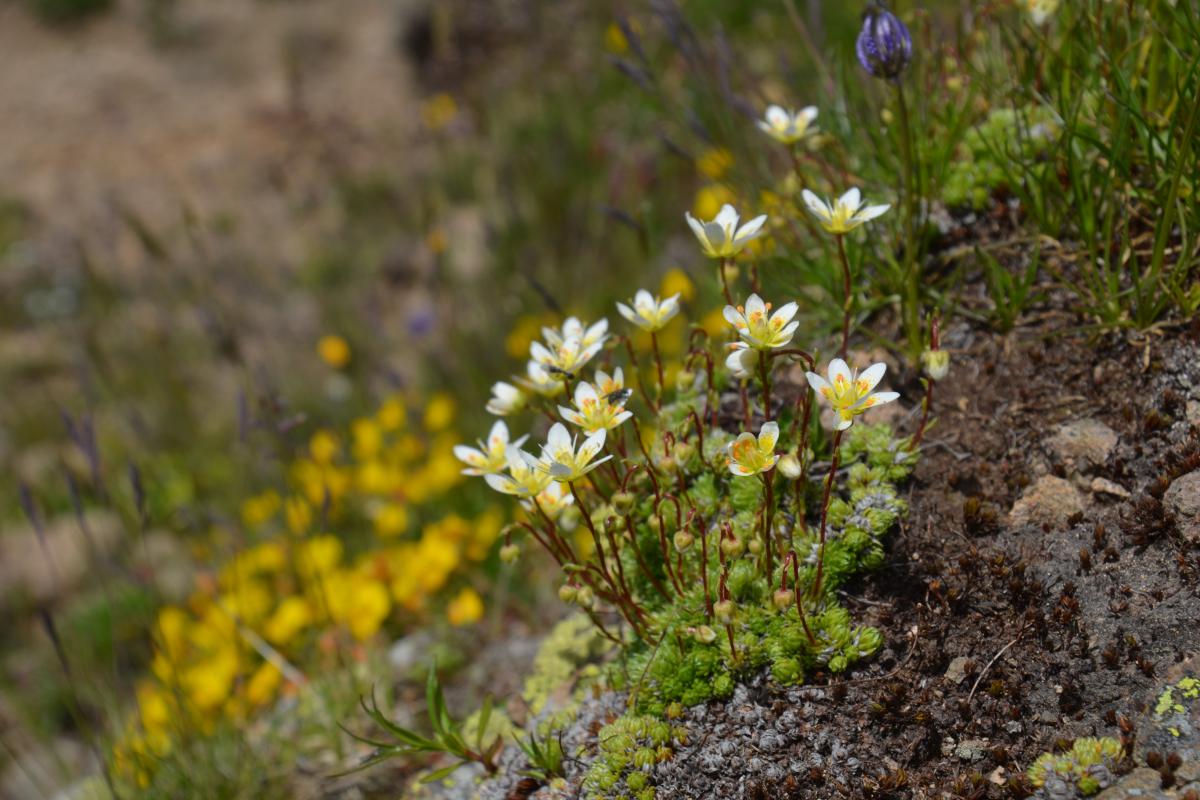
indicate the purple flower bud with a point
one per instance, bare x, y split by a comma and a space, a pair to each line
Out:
884, 45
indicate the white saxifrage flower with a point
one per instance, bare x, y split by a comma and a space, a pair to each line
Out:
491, 455
573, 328
540, 380
594, 412
751, 456
844, 215
788, 127
565, 356
849, 394
554, 499
741, 360
648, 312
522, 479
757, 329
562, 461
721, 237
506, 399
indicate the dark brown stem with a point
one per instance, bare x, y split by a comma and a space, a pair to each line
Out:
708, 606
633, 362
768, 519
764, 377
645, 568
929, 382
658, 363
587, 518
726, 262
800, 605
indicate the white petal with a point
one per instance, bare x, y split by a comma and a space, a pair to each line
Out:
469, 455
643, 299
733, 316
816, 205
618, 377
851, 199
727, 217
592, 445
871, 212
777, 116
584, 391
786, 312
501, 483
807, 114
818, 384
751, 229
755, 305
558, 438
839, 369
696, 226
879, 398
627, 313
540, 354
498, 435
869, 378
785, 335
768, 435
739, 470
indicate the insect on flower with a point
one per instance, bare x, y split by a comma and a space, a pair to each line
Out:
758, 330
491, 455
592, 412
540, 380
573, 328
850, 394
648, 312
884, 45
561, 460
788, 127
721, 237
844, 215
751, 456
506, 399
565, 355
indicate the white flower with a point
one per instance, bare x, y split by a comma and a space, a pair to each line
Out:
1041, 10
522, 480
721, 237
607, 385
506, 399
786, 126
648, 312
594, 412
741, 360
565, 355
849, 394
588, 335
560, 458
554, 499
539, 380
758, 330
846, 214
491, 455
750, 456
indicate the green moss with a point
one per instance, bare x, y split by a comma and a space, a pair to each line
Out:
988, 150
628, 749
572, 643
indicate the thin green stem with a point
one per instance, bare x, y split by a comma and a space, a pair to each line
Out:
847, 294
764, 377
658, 364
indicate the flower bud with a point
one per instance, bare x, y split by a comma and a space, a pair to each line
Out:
567, 593
584, 597
884, 45
723, 611
789, 466
783, 599
509, 553
684, 451
755, 546
732, 546
623, 503
684, 379
704, 634
683, 540
936, 363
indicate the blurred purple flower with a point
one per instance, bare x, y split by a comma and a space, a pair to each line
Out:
884, 45
420, 323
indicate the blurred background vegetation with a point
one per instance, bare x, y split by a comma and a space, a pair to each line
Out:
261, 260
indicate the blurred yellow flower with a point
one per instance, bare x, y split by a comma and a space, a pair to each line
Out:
172, 629
676, 281
260, 508
438, 111
436, 240
263, 684
367, 605
714, 163
323, 446
709, 200
391, 519
392, 414
614, 39
367, 435
319, 555
298, 514
466, 608
292, 616
334, 351
439, 412
524, 332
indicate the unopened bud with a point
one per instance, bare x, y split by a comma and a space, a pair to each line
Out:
789, 466
567, 593
723, 611
510, 553
684, 380
683, 540
936, 363
732, 546
584, 597
623, 503
684, 451
755, 547
783, 599
704, 634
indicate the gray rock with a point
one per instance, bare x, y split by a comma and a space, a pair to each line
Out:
1105, 486
957, 670
1182, 501
1142, 782
1050, 500
972, 750
1083, 443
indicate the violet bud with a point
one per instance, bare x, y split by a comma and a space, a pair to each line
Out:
884, 45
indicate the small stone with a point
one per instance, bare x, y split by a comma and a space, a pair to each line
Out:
1142, 782
1182, 501
1105, 486
996, 776
1083, 442
971, 750
1013, 727
1188, 772
1050, 500
957, 670
1193, 412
